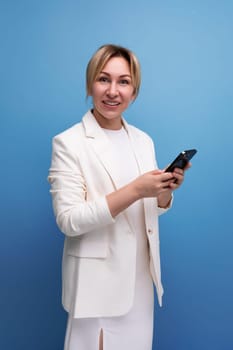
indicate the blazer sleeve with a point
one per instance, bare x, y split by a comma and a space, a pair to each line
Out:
74, 214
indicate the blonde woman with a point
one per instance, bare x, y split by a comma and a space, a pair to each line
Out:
107, 195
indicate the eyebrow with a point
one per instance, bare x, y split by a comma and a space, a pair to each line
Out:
121, 76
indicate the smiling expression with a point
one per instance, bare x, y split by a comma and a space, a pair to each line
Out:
112, 92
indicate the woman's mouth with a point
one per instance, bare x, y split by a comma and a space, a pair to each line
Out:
111, 103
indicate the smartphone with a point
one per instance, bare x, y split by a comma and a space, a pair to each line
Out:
181, 160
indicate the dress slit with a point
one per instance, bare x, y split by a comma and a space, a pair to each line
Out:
101, 340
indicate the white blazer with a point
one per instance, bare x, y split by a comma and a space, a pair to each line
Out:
99, 258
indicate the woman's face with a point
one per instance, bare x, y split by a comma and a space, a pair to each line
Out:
112, 93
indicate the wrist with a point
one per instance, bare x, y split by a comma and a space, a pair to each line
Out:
164, 201
134, 191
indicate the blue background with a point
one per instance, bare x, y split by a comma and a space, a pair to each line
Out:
186, 100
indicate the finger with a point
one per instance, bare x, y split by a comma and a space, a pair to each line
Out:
167, 184
178, 171
178, 180
188, 166
167, 177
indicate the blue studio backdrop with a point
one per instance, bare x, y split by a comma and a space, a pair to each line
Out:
186, 53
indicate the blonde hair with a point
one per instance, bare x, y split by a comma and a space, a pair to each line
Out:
100, 59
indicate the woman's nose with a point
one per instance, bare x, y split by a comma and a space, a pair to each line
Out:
112, 90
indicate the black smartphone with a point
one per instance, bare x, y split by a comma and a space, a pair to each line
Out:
181, 160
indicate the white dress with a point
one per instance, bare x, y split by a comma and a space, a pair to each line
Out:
133, 330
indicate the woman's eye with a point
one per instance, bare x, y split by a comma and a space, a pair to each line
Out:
103, 79
124, 82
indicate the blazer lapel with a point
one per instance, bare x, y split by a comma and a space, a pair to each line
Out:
100, 144
146, 162
144, 157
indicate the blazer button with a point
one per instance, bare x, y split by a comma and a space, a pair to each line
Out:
149, 231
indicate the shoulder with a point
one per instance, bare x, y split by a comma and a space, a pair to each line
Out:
70, 137
75, 135
71, 132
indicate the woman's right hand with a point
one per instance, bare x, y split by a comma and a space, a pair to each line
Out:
152, 183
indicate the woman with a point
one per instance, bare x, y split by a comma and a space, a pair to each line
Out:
107, 195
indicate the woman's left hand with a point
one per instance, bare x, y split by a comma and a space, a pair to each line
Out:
164, 199
179, 177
